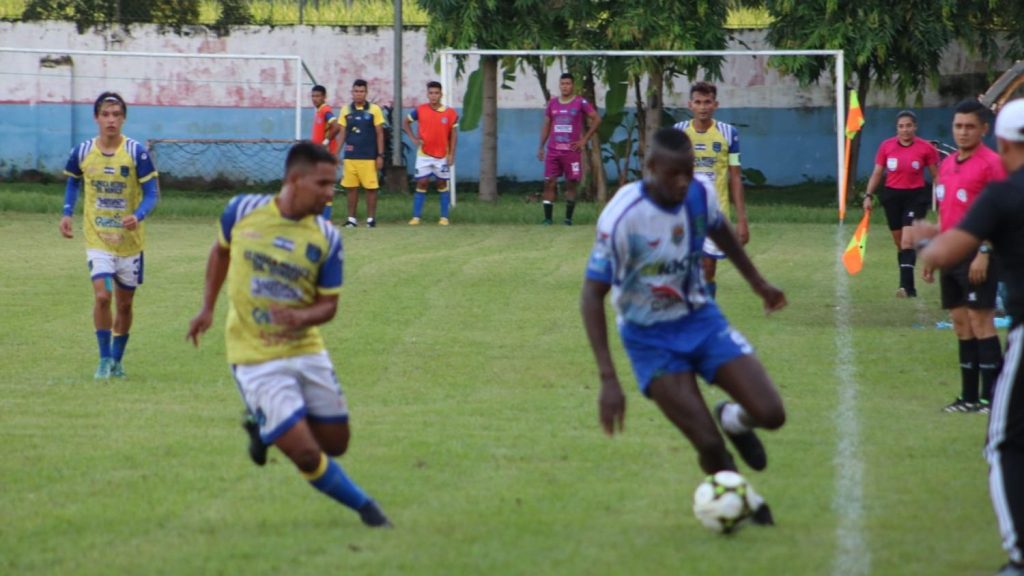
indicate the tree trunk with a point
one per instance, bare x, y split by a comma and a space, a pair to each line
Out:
863, 87
489, 135
599, 180
655, 103
536, 63
641, 126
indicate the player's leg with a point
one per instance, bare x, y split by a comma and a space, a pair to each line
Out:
918, 209
681, 401
326, 405
1005, 451
981, 315
710, 268
352, 201
129, 277
893, 202
552, 170
573, 174
350, 182
371, 184
102, 269
953, 286
442, 176
419, 198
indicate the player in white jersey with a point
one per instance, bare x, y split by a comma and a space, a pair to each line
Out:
648, 254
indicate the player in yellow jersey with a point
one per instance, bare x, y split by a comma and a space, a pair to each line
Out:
716, 148
120, 190
283, 264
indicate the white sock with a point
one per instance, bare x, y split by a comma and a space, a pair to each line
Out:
731, 422
353, 220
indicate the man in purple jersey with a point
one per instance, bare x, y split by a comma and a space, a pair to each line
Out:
563, 122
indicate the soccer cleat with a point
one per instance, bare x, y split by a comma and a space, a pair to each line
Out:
763, 516
747, 444
371, 222
351, 223
984, 406
568, 221
443, 222
103, 370
959, 405
546, 222
414, 222
373, 516
116, 369
901, 292
257, 449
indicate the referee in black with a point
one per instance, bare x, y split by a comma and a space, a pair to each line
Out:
997, 217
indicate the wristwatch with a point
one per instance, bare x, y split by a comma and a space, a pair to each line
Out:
984, 249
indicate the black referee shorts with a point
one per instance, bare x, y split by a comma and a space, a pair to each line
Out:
957, 290
902, 207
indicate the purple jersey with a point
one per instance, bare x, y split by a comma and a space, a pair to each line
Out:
566, 121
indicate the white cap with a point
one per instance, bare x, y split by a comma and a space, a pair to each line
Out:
1010, 122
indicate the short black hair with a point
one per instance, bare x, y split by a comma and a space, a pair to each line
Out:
907, 114
704, 88
109, 97
567, 76
675, 142
973, 107
434, 84
359, 82
306, 153
320, 89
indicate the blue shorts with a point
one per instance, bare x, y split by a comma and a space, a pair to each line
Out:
700, 342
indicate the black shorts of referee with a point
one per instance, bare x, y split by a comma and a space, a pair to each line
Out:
904, 206
957, 290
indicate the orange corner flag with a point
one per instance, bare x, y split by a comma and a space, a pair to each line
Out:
854, 117
853, 258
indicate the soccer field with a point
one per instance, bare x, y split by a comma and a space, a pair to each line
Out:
473, 398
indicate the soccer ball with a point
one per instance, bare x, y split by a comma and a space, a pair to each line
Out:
723, 501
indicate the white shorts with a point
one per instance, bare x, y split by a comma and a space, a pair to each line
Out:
711, 250
281, 392
429, 166
125, 270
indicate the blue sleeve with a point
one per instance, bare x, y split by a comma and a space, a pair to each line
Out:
71, 195
599, 266
73, 168
414, 115
150, 194
734, 141
228, 218
332, 270
144, 168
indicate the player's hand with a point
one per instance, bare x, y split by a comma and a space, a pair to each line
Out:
867, 203
540, 153
65, 227
578, 145
418, 143
380, 162
774, 298
200, 324
922, 230
130, 222
743, 231
978, 271
611, 405
928, 274
284, 316
450, 161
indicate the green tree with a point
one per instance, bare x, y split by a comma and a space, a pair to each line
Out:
174, 14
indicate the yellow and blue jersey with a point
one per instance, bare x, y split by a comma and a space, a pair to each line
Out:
360, 123
113, 188
275, 261
714, 151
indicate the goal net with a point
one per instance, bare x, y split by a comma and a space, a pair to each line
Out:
211, 119
789, 134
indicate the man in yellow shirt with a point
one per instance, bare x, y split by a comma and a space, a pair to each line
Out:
120, 190
362, 139
716, 147
283, 264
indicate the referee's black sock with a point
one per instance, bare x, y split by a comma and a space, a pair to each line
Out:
570, 207
969, 370
548, 208
907, 258
990, 359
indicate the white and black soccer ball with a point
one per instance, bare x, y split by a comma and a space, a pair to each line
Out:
724, 501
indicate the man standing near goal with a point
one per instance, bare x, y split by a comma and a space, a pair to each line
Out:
563, 125
435, 150
325, 129
283, 264
998, 217
716, 149
120, 190
969, 288
362, 138
647, 253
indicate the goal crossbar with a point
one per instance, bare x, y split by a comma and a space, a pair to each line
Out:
840, 73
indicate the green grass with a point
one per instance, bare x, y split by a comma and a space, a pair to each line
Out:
473, 394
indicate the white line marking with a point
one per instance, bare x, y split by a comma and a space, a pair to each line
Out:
852, 555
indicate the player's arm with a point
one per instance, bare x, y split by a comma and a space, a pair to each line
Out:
875, 180
73, 171
322, 310
407, 128
611, 400
738, 198
545, 130
378, 126
332, 128
593, 121
216, 271
453, 141
147, 175
726, 240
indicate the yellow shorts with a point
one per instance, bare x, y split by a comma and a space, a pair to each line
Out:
360, 173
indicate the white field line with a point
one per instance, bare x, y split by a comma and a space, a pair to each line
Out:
852, 556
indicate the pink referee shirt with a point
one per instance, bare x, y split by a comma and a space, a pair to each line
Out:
905, 165
960, 183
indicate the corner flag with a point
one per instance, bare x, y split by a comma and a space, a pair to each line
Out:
853, 257
854, 121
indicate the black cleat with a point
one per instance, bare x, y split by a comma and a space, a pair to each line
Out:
373, 516
747, 444
763, 516
257, 449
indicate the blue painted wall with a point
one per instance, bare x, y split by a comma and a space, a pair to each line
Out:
788, 145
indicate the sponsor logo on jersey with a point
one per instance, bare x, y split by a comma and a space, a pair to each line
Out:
916, 165
111, 203
125, 171
313, 253
891, 163
274, 290
940, 192
284, 243
678, 233
666, 291
108, 222
716, 147
261, 316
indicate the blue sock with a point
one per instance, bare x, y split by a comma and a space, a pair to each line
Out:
417, 203
712, 289
103, 339
330, 479
328, 210
120, 342
446, 202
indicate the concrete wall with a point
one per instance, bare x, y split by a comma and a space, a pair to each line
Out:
787, 131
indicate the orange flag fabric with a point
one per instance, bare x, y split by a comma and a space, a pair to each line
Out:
854, 117
853, 257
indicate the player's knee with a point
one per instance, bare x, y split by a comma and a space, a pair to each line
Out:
103, 298
306, 459
338, 448
773, 417
124, 307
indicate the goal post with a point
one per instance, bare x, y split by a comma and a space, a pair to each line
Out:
244, 100
450, 79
